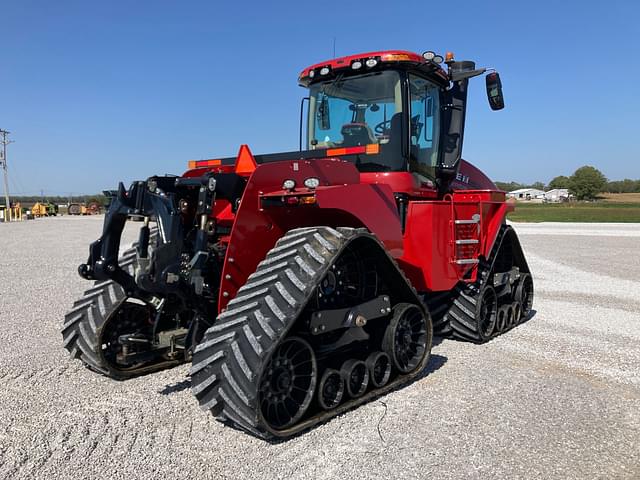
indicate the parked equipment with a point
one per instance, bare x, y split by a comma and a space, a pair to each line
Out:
77, 209
44, 209
305, 283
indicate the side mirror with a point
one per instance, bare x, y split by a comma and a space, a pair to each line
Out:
494, 91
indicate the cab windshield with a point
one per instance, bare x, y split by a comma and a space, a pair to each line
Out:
359, 111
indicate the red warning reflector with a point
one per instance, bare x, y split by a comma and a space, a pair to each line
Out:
245, 164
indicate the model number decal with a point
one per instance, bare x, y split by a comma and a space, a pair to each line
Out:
462, 178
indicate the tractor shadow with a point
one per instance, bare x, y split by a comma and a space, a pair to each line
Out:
435, 363
532, 314
176, 387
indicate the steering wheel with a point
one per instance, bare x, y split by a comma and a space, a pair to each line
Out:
382, 127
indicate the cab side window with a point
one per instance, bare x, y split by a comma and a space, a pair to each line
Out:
424, 126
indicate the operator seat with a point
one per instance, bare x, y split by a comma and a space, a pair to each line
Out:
394, 146
356, 134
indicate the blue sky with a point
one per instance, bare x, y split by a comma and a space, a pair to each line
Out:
97, 92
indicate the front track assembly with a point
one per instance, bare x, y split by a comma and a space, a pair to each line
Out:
499, 300
110, 331
326, 323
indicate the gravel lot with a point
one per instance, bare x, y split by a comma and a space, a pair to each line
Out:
558, 397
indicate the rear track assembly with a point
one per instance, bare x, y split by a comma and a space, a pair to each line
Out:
266, 368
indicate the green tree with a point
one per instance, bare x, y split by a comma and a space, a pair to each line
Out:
559, 182
509, 186
586, 182
538, 185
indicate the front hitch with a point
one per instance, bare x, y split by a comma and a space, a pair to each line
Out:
181, 208
143, 200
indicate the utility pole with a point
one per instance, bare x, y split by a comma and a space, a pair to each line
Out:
3, 164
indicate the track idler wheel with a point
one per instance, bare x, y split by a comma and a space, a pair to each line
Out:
487, 312
288, 383
405, 339
330, 389
379, 366
356, 377
524, 295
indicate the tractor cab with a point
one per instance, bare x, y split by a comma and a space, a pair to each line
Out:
398, 116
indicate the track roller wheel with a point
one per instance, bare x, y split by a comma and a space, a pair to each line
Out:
288, 383
356, 377
330, 389
509, 317
524, 295
517, 313
379, 366
405, 339
501, 320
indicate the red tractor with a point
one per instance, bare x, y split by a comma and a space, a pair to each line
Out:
302, 284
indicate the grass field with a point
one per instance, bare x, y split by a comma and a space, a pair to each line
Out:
601, 211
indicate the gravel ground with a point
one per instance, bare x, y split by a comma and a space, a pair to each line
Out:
558, 397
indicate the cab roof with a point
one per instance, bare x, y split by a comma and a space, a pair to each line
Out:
383, 58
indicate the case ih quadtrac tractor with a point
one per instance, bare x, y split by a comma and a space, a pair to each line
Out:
302, 284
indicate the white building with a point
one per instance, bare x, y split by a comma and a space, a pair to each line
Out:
527, 194
557, 195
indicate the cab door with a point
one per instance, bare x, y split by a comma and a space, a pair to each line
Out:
424, 130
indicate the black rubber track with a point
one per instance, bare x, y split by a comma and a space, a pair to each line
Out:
83, 324
438, 304
229, 361
460, 321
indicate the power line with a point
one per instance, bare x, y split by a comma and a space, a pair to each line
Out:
3, 164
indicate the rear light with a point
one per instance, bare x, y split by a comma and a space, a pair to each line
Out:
308, 200
287, 200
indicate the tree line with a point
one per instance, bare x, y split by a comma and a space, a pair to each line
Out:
585, 183
57, 199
